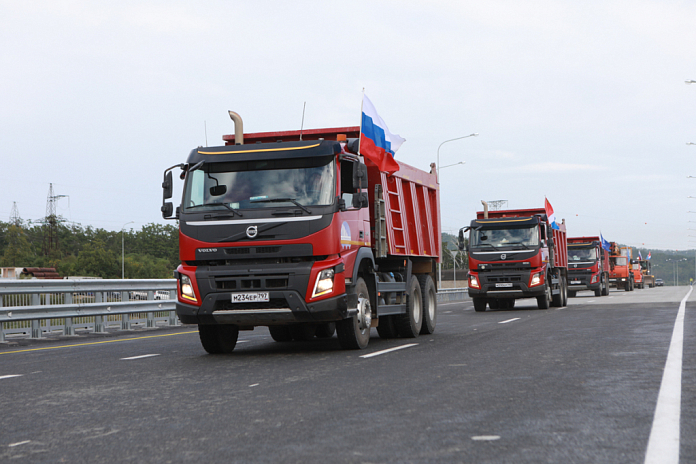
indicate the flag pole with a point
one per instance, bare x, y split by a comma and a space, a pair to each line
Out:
361, 119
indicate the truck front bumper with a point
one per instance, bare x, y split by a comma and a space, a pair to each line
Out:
285, 307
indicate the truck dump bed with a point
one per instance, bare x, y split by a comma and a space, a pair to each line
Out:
404, 208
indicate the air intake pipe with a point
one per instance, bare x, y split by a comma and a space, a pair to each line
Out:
485, 209
238, 128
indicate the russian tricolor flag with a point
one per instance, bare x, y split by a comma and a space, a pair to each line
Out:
376, 142
550, 214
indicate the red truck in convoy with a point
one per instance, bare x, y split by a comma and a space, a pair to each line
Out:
296, 231
516, 254
620, 275
637, 274
588, 266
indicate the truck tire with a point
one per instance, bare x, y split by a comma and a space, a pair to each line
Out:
218, 339
409, 324
387, 327
429, 294
479, 304
605, 289
280, 333
326, 330
627, 286
494, 303
354, 332
544, 301
598, 292
557, 300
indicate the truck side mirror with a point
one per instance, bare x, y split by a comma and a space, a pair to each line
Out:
461, 239
359, 176
167, 210
360, 200
167, 186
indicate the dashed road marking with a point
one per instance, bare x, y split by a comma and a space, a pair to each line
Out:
12, 445
9, 376
509, 320
377, 353
139, 357
485, 437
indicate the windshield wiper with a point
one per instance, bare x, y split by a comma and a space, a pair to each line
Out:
518, 243
483, 244
280, 200
218, 203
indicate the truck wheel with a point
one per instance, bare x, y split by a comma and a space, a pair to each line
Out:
564, 291
605, 289
557, 300
598, 292
354, 332
326, 330
218, 339
429, 294
280, 333
544, 301
409, 324
387, 327
479, 304
494, 303
627, 286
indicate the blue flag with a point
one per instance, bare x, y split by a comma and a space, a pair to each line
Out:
606, 245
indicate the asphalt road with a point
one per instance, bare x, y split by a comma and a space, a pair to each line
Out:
571, 385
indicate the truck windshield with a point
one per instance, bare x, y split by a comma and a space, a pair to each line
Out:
261, 184
619, 260
582, 254
519, 236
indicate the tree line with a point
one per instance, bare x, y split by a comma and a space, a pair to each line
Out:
150, 253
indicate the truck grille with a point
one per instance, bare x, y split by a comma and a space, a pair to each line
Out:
251, 283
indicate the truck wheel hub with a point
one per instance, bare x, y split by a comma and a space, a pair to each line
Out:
364, 313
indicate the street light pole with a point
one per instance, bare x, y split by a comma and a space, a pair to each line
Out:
475, 134
123, 253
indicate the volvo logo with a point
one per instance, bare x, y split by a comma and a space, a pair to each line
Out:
503, 256
252, 231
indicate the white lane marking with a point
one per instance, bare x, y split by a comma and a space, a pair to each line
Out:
243, 341
139, 357
254, 385
509, 320
9, 376
377, 353
663, 444
485, 437
12, 445
590, 301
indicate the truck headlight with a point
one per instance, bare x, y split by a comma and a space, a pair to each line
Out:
324, 283
595, 279
187, 288
473, 282
535, 280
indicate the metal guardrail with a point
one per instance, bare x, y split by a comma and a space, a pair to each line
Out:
37, 307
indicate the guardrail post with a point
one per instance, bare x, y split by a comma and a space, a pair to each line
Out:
99, 320
2, 332
150, 319
68, 328
125, 322
36, 328
173, 320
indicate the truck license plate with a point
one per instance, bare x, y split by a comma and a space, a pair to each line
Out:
575, 282
251, 297
504, 284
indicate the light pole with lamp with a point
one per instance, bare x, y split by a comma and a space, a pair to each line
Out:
123, 254
475, 134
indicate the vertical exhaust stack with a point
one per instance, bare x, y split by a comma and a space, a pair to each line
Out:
238, 128
485, 209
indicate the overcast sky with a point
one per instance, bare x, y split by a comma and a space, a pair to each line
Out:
582, 102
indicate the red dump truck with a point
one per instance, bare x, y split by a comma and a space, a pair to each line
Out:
588, 266
296, 231
516, 254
